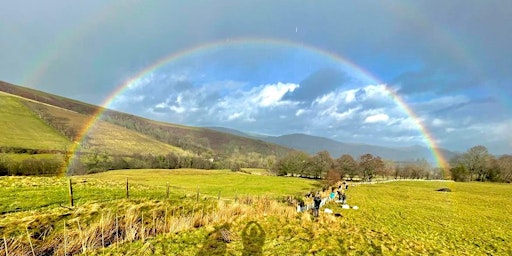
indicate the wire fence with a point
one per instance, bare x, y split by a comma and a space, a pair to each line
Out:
25, 196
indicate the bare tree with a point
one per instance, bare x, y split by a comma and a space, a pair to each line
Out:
320, 164
476, 161
346, 165
368, 164
505, 167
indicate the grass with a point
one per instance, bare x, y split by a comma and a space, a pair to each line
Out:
113, 139
20, 127
396, 218
18, 194
473, 219
399, 218
211, 182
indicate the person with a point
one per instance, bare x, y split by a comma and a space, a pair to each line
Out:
332, 195
300, 206
317, 201
340, 194
343, 198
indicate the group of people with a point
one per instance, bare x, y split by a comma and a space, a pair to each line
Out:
316, 200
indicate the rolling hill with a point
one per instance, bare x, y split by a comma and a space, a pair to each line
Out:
115, 133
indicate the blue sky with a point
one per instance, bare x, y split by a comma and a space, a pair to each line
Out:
449, 61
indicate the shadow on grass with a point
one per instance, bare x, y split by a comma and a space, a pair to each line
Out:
253, 238
216, 241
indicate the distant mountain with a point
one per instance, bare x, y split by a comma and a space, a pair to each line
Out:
314, 144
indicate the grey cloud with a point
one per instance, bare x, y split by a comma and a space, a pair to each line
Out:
317, 84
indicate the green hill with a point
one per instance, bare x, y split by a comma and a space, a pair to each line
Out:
21, 128
129, 141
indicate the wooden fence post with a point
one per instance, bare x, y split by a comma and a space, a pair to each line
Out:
127, 189
218, 197
167, 192
70, 193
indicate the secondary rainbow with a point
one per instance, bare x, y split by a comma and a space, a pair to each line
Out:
441, 162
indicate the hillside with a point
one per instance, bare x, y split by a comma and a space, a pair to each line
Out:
21, 128
103, 136
121, 134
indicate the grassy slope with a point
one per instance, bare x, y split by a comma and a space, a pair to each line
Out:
114, 139
190, 138
19, 127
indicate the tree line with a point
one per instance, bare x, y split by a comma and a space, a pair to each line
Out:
366, 167
99, 161
477, 164
32, 165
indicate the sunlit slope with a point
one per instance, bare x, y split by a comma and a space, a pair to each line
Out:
21, 128
104, 136
187, 138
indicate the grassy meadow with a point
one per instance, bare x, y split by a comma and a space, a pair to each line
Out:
394, 218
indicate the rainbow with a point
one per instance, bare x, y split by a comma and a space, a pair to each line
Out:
203, 48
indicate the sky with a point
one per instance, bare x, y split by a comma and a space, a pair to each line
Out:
390, 73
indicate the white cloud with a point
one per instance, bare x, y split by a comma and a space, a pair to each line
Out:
300, 112
437, 122
376, 118
376, 91
325, 98
235, 116
271, 94
178, 109
350, 113
350, 96
161, 105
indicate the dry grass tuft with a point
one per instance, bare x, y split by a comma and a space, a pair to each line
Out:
100, 225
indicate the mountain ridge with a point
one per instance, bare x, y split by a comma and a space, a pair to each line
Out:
313, 144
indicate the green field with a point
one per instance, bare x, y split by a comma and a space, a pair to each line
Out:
395, 218
21, 128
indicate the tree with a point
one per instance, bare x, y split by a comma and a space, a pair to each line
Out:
476, 162
294, 162
331, 177
320, 164
505, 168
459, 173
368, 164
346, 165
387, 169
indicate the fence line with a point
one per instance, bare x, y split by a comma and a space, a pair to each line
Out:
77, 191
